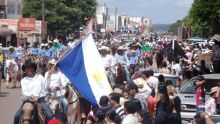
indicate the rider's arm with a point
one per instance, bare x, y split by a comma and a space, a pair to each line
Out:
64, 80
208, 120
24, 89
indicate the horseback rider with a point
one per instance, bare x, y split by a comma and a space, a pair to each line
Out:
13, 54
34, 50
56, 80
33, 90
106, 57
122, 59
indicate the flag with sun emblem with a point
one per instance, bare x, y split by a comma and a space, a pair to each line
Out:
83, 67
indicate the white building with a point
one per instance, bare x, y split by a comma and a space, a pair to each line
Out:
13, 9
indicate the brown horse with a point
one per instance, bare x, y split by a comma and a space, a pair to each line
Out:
73, 113
121, 76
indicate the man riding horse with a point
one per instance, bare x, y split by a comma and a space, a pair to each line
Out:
121, 63
32, 91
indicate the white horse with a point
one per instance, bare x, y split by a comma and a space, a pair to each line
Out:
73, 113
12, 71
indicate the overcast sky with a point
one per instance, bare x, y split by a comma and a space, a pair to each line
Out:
160, 11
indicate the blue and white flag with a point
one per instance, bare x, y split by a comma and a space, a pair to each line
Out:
84, 68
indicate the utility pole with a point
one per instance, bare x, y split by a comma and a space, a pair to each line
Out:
43, 10
116, 13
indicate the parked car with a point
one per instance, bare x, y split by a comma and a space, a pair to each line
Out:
171, 77
187, 94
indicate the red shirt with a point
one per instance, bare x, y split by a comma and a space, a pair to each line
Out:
150, 104
200, 95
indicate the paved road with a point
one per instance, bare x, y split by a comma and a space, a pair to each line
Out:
9, 103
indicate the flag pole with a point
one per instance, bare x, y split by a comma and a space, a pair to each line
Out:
65, 54
72, 48
89, 31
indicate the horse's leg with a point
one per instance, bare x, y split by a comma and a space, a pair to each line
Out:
78, 115
14, 79
7, 80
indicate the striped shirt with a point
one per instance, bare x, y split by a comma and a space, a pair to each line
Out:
120, 111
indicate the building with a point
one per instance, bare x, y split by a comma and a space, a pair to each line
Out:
13, 9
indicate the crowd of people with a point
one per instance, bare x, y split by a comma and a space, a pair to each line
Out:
147, 99
138, 96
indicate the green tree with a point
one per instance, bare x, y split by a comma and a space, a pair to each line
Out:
63, 16
204, 18
174, 27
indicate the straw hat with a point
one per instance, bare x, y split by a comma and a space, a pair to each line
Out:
46, 44
216, 37
52, 61
11, 48
42, 44
104, 48
142, 85
121, 48
214, 90
187, 48
118, 90
133, 51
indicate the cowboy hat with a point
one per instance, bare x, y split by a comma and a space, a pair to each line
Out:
104, 48
52, 61
118, 90
216, 37
142, 85
30, 64
11, 47
214, 90
121, 48
46, 44
133, 51
187, 48
42, 44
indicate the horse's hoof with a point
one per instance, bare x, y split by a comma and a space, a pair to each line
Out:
7, 86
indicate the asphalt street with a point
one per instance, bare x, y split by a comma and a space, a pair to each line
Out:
9, 103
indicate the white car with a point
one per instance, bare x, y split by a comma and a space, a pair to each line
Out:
187, 94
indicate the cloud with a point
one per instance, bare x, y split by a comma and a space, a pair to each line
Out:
160, 11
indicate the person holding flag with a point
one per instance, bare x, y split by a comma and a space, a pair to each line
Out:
83, 67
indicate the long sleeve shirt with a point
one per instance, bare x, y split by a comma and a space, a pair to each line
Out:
33, 86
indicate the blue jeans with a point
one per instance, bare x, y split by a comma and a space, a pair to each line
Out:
65, 104
46, 109
17, 116
199, 109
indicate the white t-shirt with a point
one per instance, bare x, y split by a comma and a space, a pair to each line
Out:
177, 68
33, 86
55, 80
130, 119
107, 60
210, 106
189, 56
153, 81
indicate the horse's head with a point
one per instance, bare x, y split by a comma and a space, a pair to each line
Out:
27, 112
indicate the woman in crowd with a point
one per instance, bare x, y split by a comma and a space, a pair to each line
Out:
163, 102
210, 106
164, 69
